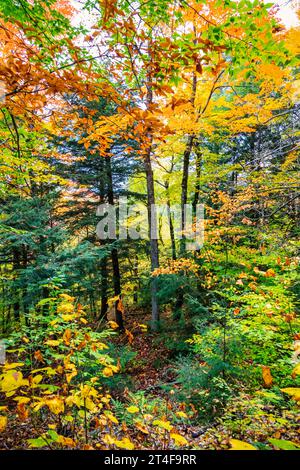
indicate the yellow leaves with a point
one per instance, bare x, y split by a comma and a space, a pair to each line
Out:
181, 414
132, 409
163, 424
55, 404
70, 370
66, 441
178, 439
3, 423
65, 308
240, 445
296, 371
108, 439
294, 392
52, 342
69, 316
108, 371
67, 336
141, 427
99, 346
67, 297
267, 377
143, 327
11, 381
12, 365
111, 417
22, 399
113, 324
34, 381
124, 443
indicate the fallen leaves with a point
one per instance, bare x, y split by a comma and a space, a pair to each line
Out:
240, 445
178, 439
163, 424
294, 392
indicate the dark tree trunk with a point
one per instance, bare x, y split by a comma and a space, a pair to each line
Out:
16, 267
171, 225
103, 262
114, 251
152, 223
185, 174
136, 276
152, 216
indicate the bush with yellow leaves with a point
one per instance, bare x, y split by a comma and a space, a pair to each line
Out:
55, 377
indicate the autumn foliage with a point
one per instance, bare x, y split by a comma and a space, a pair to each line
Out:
143, 343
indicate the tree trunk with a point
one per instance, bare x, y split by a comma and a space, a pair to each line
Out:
170, 220
152, 222
16, 267
185, 173
114, 251
152, 216
103, 262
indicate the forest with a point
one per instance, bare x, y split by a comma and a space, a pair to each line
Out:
149, 227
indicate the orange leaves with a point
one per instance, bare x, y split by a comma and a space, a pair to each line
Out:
183, 265
22, 412
38, 356
129, 336
67, 336
269, 273
267, 377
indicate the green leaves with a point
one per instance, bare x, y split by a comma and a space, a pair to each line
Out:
284, 445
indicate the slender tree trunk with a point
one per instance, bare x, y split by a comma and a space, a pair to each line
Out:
185, 173
152, 222
170, 220
152, 216
16, 267
136, 277
114, 251
103, 261
104, 288
197, 183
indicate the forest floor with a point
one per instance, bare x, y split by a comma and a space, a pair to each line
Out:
153, 368
150, 373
